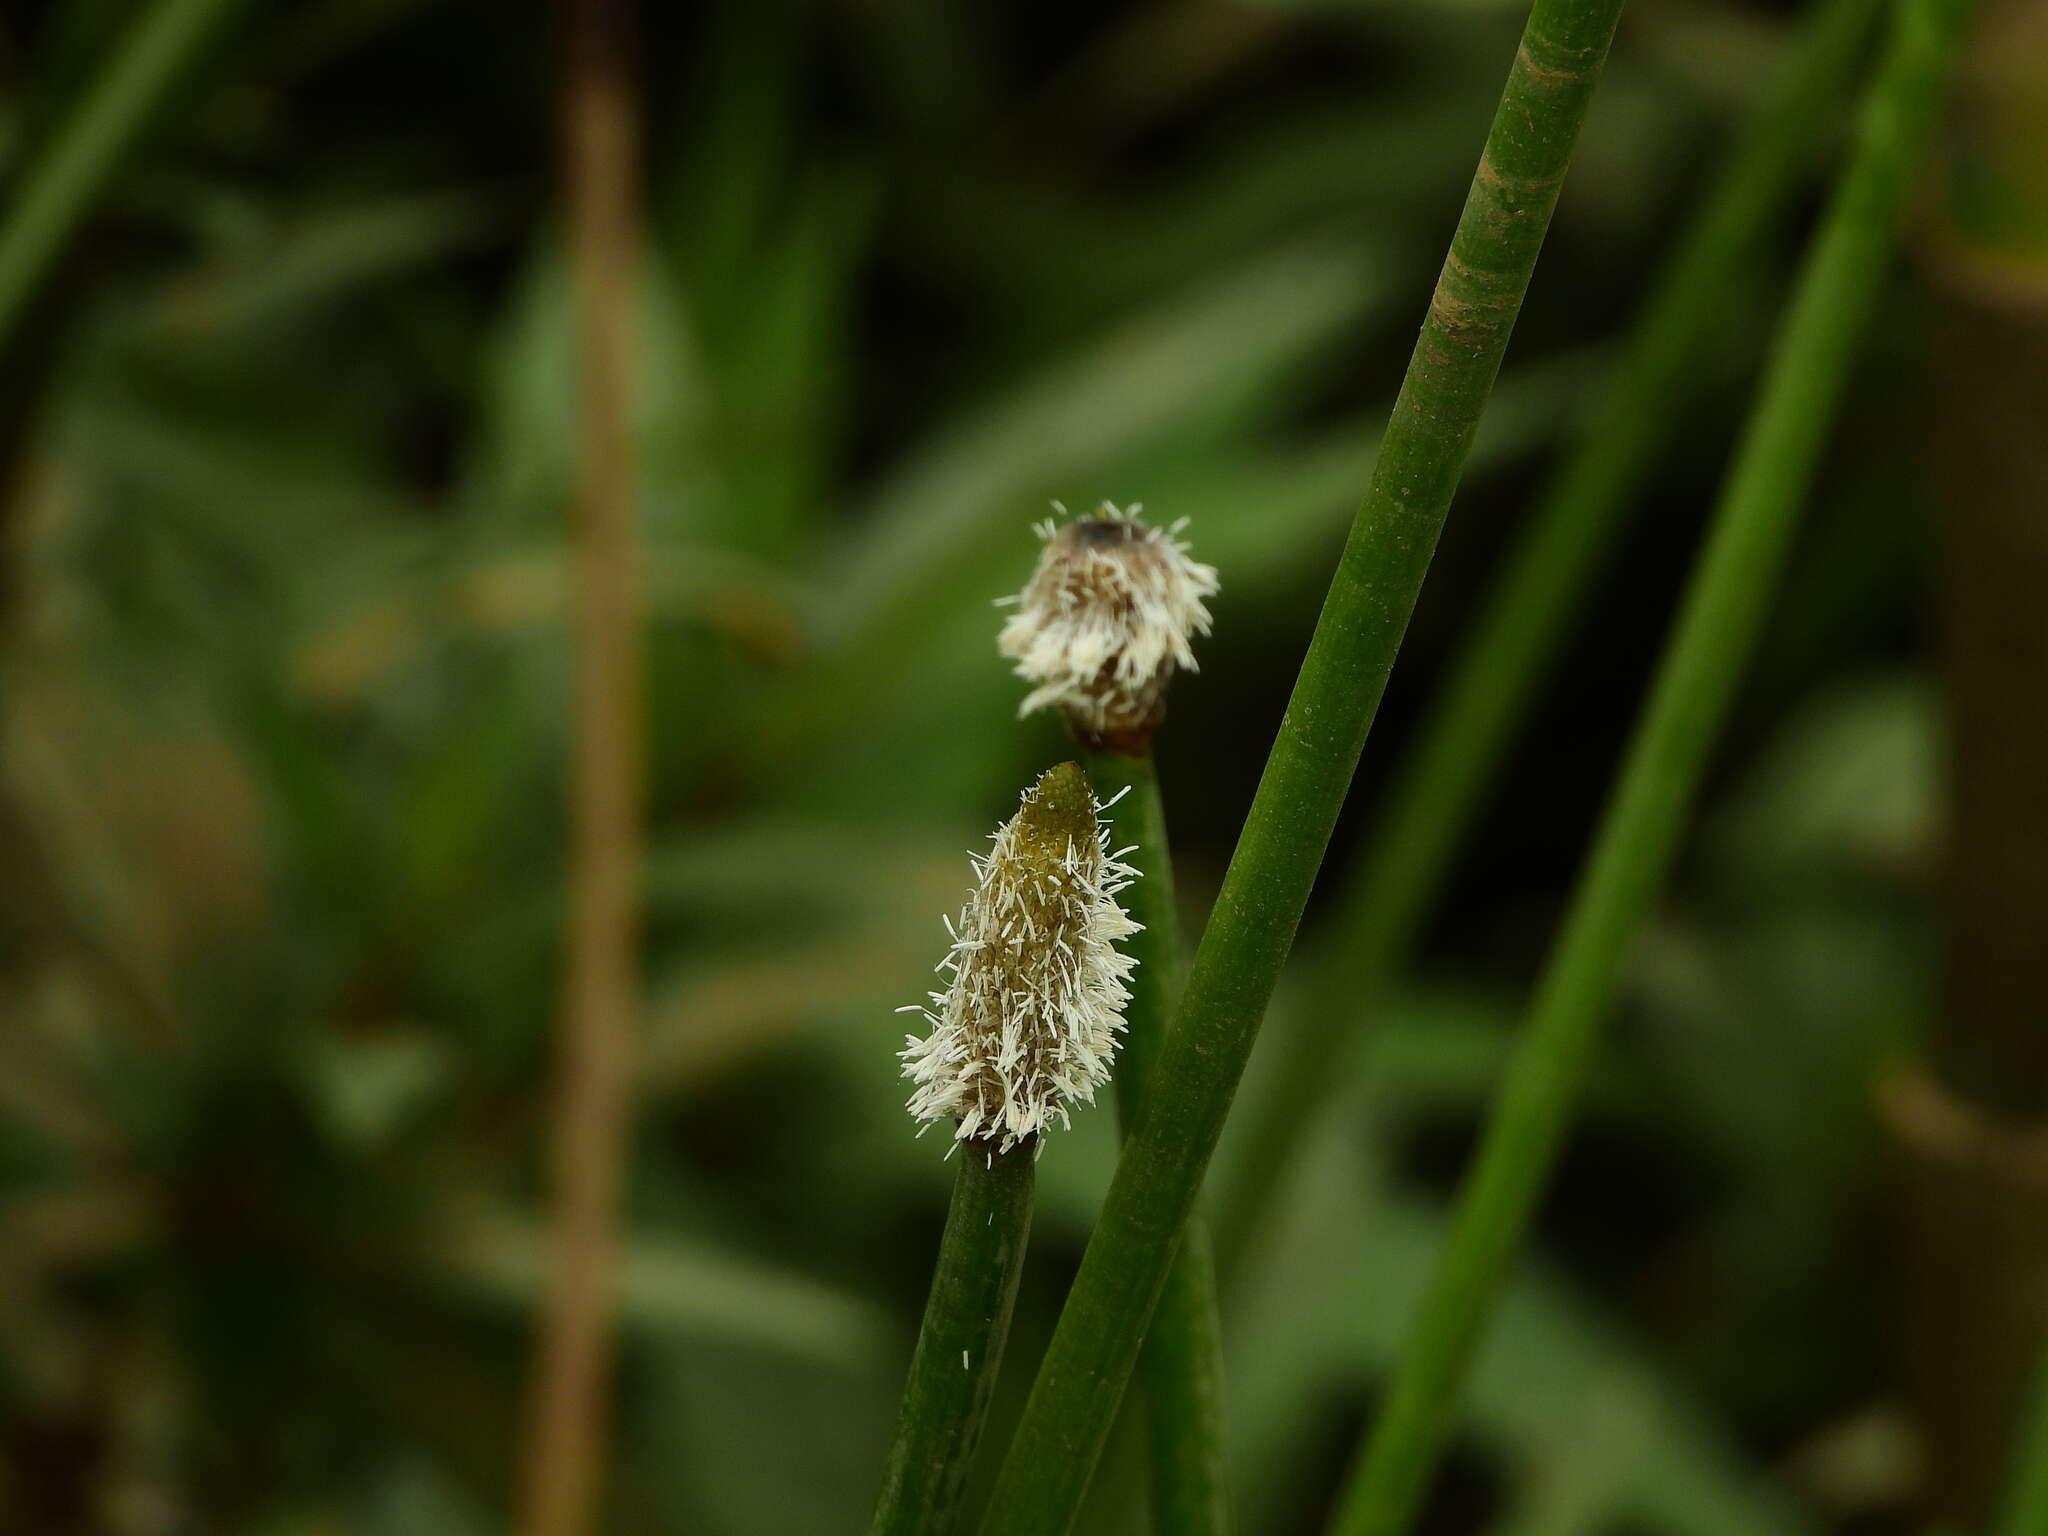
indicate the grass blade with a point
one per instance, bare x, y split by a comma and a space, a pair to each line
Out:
1723, 610
1478, 295
1181, 1364
46, 209
960, 1346
1494, 681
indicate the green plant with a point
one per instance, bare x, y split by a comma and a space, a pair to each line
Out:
59, 189
1444, 777
1716, 629
2025, 1509
1024, 1029
285, 666
1188, 1095
1181, 1364
960, 1346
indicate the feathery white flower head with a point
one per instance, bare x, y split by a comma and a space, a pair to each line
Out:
1027, 1026
1106, 618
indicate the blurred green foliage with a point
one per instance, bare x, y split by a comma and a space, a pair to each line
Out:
282, 713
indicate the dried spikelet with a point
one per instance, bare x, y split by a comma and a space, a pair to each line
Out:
1027, 1026
1106, 619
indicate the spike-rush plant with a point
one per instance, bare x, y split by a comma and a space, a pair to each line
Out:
1441, 782
1063, 973
1187, 1095
1181, 1364
1025, 1028
1724, 608
1028, 1024
1108, 617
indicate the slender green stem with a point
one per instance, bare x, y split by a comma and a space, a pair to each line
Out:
1715, 632
1478, 295
2026, 1491
1139, 818
1181, 1364
44, 211
1495, 680
960, 1346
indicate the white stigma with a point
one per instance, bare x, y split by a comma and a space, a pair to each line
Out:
1027, 1026
1106, 619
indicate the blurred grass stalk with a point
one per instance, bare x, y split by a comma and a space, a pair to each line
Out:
1187, 1096
960, 1342
1181, 1363
1723, 610
47, 205
1496, 678
2026, 1493
569, 1411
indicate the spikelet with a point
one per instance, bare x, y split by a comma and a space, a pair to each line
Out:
1105, 621
1028, 1025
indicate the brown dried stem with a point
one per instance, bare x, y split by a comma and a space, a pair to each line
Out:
569, 1410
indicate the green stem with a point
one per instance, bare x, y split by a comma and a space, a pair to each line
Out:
2026, 1492
960, 1346
1723, 609
1181, 1363
46, 208
1495, 680
1478, 295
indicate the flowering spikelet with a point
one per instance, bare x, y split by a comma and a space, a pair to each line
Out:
1028, 1025
1107, 617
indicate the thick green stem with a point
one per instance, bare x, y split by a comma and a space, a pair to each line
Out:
1495, 680
1478, 296
1723, 609
1181, 1364
45, 209
960, 1346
